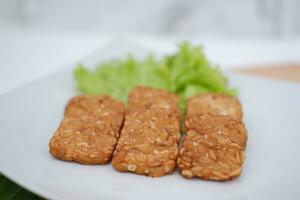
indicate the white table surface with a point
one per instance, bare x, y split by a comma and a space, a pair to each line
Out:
27, 54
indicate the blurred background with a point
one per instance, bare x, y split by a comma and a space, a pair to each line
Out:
41, 36
247, 18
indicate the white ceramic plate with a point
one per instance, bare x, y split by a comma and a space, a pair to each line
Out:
30, 115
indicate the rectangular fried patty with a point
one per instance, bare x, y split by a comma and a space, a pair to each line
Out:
215, 140
89, 130
215, 104
149, 139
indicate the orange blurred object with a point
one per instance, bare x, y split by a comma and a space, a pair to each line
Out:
288, 72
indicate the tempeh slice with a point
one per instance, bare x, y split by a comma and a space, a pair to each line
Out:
214, 144
89, 131
149, 139
145, 98
215, 104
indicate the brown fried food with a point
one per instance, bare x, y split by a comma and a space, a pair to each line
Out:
216, 104
103, 107
214, 145
213, 148
149, 139
223, 129
145, 98
89, 131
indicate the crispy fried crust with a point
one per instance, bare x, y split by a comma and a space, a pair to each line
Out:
214, 145
89, 131
215, 104
145, 98
149, 139
224, 129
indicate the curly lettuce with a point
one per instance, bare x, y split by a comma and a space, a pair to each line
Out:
187, 72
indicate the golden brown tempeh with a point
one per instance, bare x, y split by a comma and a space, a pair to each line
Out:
145, 98
214, 145
215, 104
89, 131
148, 143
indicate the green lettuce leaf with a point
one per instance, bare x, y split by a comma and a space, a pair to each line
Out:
187, 72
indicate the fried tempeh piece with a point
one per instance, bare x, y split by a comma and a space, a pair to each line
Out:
89, 131
145, 98
215, 104
149, 139
214, 145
